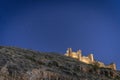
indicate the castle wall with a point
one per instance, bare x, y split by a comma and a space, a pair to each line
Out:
89, 59
74, 55
79, 56
100, 64
86, 60
112, 66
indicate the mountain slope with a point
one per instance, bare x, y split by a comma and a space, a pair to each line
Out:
23, 64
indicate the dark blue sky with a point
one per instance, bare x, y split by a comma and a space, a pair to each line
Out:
54, 25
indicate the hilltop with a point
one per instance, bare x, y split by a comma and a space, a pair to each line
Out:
24, 64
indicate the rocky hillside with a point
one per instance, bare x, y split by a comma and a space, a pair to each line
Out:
23, 64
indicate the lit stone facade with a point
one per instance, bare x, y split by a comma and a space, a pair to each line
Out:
88, 59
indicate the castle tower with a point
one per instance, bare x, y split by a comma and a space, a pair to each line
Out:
79, 53
113, 66
91, 57
69, 51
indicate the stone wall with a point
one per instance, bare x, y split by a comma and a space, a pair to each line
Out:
88, 59
78, 55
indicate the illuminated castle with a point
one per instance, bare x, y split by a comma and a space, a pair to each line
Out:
88, 59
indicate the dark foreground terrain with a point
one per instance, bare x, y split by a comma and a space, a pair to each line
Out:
23, 64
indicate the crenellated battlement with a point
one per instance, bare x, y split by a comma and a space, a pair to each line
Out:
88, 59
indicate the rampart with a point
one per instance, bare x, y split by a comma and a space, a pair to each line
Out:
88, 59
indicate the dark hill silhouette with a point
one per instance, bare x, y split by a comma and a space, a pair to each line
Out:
24, 64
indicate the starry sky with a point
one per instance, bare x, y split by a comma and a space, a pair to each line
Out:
55, 25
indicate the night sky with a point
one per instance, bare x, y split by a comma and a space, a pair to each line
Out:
55, 25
